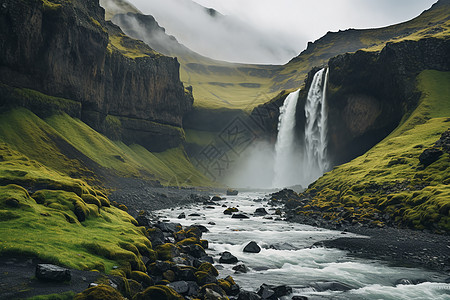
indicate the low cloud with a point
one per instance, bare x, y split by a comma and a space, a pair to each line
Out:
218, 36
267, 31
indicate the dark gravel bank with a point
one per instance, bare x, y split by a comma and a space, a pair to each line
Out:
397, 246
139, 195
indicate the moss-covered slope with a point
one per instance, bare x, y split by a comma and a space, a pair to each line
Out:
388, 184
48, 215
67, 145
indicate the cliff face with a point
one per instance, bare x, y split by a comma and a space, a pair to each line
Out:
64, 49
370, 93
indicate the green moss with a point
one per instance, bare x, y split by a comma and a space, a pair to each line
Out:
160, 292
43, 104
62, 296
141, 277
46, 231
99, 292
418, 197
167, 251
188, 241
208, 268
50, 6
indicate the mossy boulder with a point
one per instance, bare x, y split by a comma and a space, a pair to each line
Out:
202, 278
99, 292
167, 251
208, 268
230, 210
142, 278
213, 291
135, 287
158, 292
189, 241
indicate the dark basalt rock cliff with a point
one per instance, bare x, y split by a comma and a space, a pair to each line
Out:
62, 49
369, 93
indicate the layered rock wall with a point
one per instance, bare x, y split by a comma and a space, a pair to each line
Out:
62, 48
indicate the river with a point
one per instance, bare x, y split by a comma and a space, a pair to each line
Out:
289, 257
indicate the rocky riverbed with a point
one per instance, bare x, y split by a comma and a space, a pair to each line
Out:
244, 247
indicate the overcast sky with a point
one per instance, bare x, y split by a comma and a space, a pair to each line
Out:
291, 23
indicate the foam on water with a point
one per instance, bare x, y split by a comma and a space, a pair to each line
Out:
300, 265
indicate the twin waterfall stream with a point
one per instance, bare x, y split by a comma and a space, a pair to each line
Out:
301, 162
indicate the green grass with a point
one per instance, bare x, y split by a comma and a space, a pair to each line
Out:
36, 139
168, 167
423, 198
53, 222
60, 139
42, 104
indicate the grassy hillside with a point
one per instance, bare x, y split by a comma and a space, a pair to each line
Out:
68, 145
388, 178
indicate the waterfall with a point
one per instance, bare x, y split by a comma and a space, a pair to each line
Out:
286, 154
315, 144
302, 163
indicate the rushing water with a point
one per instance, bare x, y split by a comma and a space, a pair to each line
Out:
316, 126
297, 263
285, 148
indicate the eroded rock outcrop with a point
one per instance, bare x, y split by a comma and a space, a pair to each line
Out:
67, 49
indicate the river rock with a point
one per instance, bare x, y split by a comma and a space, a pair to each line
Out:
194, 250
260, 212
230, 210
181, 287
216, 198
168, 227
182, 216
200, 227
283, 246
240, 216
246, 295
282, 290
299, 298
266, 292
240, 269
252, 247
48, 272
186, 274
227, 258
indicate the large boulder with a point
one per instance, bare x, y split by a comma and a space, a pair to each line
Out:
252, 247
260, 212
48, 272
246, 295
227, 258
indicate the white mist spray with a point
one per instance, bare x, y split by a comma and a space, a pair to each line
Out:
286, 150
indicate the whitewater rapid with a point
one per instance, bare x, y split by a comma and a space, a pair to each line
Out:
288, 256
